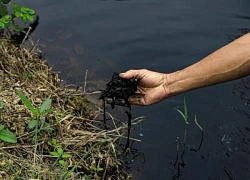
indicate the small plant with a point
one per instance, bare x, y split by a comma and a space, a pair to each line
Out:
39, 122
185, 113
97, 169
58, 153
39, 112
7, 18
7, 136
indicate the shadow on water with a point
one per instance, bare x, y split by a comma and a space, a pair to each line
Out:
19, 36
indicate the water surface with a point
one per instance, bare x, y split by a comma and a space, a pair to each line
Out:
164, 35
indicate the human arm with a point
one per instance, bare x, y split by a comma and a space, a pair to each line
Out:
228, 63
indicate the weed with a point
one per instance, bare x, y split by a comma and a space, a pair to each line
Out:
58, 153
39, 112
96, 168
39, 122
7, 18
7, 136
185, 113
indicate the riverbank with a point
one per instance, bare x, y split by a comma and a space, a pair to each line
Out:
59, 133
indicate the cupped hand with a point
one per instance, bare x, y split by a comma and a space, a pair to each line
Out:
152, 86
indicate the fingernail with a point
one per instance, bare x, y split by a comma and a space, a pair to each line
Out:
122, 74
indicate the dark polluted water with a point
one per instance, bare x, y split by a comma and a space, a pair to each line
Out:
107, 36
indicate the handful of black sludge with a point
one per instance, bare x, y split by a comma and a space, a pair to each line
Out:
119, 90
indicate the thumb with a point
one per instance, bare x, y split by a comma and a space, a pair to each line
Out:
129, 74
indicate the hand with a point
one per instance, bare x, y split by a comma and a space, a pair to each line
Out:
151, 84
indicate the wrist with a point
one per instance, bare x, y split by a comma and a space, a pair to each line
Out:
175, 83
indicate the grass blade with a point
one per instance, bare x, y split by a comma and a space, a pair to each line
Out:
185, 109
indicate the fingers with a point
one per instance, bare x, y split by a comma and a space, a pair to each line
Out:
131, 74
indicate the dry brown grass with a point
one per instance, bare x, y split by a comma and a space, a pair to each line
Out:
79, 131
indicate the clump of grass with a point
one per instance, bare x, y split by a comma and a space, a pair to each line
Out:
57, 132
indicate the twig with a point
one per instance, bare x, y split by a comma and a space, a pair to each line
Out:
26, 35
185, 136
196, 122
104, 174
202, 133
85, 81
104, 113
177, 150
34, 45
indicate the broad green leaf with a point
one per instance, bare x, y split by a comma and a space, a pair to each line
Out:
54, 154
60, 151
66, 156
2, 104
28, 11
1, 127
16, 9
5, 1
53, 141
62, 162
17, 14
30, 18
46, 104
24, 18
2, 25
5, 19
3, 10
32, 124
26, 101
8, 136
47, 111
92, 167
49, 143
17, 29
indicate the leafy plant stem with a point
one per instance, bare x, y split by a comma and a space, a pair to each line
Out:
36, 143
57, 159
85, 156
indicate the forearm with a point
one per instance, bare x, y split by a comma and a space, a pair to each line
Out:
228, 63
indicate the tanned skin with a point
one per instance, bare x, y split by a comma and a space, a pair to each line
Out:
227, 63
